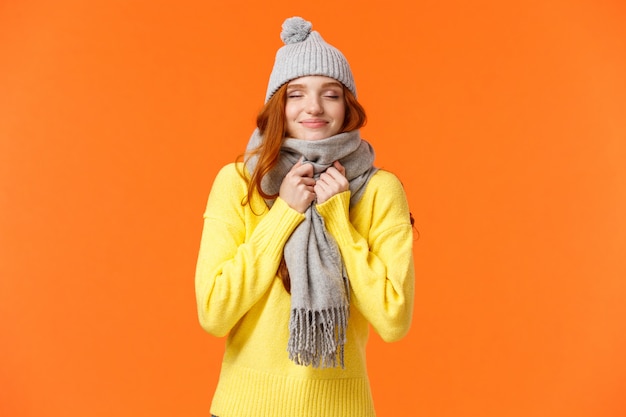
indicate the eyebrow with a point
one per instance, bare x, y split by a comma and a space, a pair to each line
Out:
325, 85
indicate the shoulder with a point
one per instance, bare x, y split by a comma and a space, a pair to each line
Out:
233, 171
229, 181
383, 206
232, 176
385, 196
386, 182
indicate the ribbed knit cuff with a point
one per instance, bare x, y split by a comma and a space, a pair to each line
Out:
335, 212
274, 230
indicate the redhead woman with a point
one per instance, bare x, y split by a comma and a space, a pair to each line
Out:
305, 245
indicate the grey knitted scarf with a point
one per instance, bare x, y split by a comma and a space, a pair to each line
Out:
320, 291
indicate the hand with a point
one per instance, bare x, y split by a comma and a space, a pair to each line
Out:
297, 188
331, 182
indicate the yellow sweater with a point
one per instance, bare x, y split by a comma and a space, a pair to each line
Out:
239, 295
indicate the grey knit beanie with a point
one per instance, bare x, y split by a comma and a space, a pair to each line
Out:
306, 53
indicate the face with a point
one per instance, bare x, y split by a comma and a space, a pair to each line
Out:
315, 107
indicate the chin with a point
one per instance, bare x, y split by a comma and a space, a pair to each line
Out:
318, 135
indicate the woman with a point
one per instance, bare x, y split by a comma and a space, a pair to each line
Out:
305, 244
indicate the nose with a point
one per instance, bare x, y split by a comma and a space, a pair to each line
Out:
314, 105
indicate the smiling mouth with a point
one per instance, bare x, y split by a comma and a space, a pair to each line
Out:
314, 123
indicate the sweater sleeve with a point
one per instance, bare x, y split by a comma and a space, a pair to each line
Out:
380, 268
237, 263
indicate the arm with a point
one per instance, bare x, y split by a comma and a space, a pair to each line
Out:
380, 268
237, 260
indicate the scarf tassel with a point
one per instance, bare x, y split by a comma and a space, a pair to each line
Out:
317, 338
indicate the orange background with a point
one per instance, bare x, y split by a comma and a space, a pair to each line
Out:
506, 123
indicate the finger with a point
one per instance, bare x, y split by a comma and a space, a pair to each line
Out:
308, 181
334, 181
340, 168
320, 189
298, 164
333, 174
302, 170
306, 170
324, 177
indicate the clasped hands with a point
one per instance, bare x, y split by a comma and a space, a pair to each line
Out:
299, 189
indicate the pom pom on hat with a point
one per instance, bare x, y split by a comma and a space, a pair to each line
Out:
295, 29
306, 53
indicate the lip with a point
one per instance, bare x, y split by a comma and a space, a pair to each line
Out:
314, 123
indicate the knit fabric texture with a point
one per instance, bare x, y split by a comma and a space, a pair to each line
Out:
319, 282
306, 53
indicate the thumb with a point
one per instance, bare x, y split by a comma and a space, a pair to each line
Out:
340, 168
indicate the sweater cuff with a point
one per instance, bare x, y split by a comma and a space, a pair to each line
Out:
274, 230
335, 212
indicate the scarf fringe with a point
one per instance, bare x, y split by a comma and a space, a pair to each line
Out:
317, 338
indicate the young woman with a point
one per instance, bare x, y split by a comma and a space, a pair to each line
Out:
305, 244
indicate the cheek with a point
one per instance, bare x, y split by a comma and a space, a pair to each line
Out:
340, 114
290, 112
